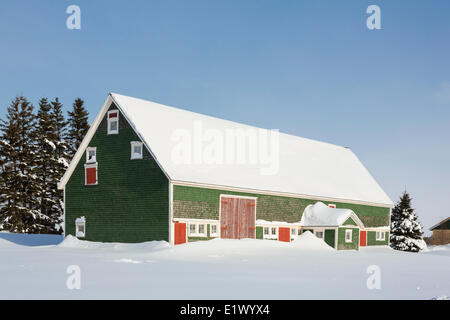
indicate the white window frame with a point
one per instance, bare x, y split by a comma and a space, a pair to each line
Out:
191, 233
319, 231
135, 156
88, 149
276, 231
78, 223
348, 232
110, 120
197, 230
380, 235
205, 231
215, 234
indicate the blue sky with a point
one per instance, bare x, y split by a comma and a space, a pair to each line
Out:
308, 68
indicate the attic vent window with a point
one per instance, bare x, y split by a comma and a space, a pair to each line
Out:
113, 122
136, 150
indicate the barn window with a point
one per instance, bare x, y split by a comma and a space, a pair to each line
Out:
293, 231
319, 234
266, 231
91, 175
201, 229
381, 236
91, 155
348, 235
213, 230
113, 122
274, 231
136, 150
192, 229
80, 227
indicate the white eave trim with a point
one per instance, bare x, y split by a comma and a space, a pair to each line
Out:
87, 139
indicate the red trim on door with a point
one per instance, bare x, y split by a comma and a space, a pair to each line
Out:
284, 234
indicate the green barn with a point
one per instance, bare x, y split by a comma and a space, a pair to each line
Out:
146, 172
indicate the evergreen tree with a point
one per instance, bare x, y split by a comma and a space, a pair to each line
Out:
46, 167
20, 188
78, 126
406, 231
62, 155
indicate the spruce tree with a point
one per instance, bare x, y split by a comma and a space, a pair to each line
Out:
406, 231
78, 126
20, 187
61, 150
46, 167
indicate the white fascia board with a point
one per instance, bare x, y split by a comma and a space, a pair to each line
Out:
87, 139
79, 154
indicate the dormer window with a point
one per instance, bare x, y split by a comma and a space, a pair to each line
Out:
91, 155
136, 150
113, 122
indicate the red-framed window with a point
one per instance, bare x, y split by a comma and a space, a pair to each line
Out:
91, 175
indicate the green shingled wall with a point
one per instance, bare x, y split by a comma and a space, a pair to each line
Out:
203, 203
130, 202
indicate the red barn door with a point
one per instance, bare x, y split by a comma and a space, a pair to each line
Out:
237, 218
180, 233
284, 234
363, 238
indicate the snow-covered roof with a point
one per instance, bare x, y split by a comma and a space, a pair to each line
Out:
321, 215
440, 223
306, 167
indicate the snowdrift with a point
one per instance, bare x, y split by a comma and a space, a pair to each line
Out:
308, 241
74, 243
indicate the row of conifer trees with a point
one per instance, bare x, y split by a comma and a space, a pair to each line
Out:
36, 146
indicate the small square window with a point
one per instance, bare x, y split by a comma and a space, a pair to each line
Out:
319, 234
348, 235
113, 122
293, 231
136, 150
91, 155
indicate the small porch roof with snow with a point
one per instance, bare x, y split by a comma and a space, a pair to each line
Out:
321, 215
306, 168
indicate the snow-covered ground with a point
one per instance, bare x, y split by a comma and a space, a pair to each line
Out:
35, 267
